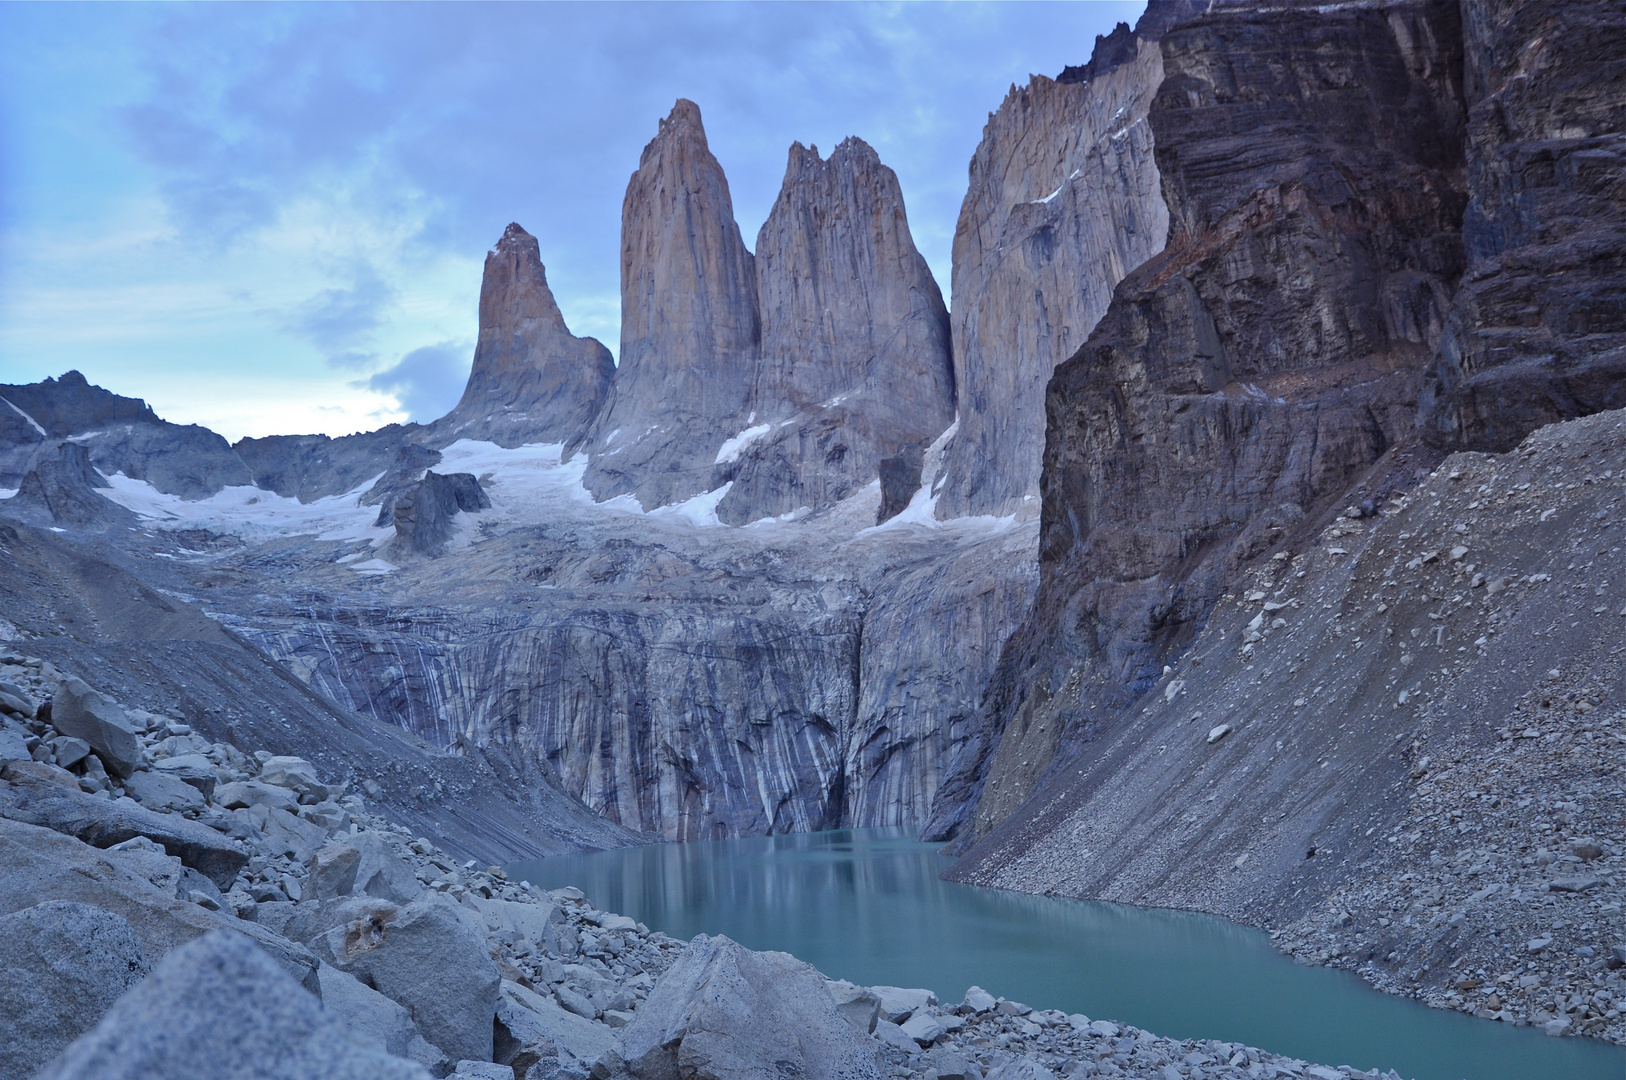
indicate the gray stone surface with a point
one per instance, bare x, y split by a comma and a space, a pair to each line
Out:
858, 1005
423, 514
161, 792
533, 381
689, 329
723, 1012
1064, 200
529, 1025
64, 965
372, 1019
426, 956
80, 711
855, 361
219, 1007
104, 822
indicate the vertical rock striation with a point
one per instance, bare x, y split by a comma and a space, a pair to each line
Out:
1063, 202
532, 380
689, 329
855, 364
1313, 168
1538, 331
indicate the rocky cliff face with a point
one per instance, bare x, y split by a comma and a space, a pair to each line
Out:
1313, 167
855, 364
1538, 332
532, 381
689, 328
122, 435
1063, 202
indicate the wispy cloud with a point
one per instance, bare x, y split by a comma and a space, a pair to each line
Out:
341, 322
426, 382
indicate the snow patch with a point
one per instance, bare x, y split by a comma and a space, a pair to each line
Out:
374, 567
731, 448
252, 512
701, 510
6, 493
35, 424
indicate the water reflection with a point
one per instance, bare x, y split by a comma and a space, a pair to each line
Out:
867, 905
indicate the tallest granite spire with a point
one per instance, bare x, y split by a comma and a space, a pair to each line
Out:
689, 329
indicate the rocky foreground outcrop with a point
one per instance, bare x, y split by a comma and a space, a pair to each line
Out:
344, 947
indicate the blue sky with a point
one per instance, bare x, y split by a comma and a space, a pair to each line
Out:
271, 218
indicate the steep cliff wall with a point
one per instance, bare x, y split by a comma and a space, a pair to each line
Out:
1063, 202
855, 363
532, 380
1538, 332
1312, 162
689, 329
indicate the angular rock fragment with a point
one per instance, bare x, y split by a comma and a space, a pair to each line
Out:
723, 1012
424, 956
64, 965
78, 710
220, 1007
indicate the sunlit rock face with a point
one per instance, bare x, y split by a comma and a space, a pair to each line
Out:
1063, 201
533, 380
689, 328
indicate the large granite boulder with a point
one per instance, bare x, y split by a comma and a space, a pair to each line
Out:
104, 822
82, 712
38, 864
723, 1012
430, 956
689, 330
65, 964
220, 1007
533, 381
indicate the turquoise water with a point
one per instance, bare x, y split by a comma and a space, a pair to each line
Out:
867, 905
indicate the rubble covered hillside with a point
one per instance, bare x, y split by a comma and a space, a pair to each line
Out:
178, 908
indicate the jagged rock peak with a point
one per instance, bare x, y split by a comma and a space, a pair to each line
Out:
689, 325
855, 363
532, 380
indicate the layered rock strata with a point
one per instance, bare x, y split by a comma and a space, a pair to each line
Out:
1251, 372
1064, 200
1538, 332
532, 381
689, 326
855, 363
1398, 745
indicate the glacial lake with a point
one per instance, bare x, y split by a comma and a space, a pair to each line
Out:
867, 905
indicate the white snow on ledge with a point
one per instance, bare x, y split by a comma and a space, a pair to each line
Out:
732, 448
251, 512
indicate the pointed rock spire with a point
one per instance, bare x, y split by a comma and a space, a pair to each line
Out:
688, 324
855, 337
532, 381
